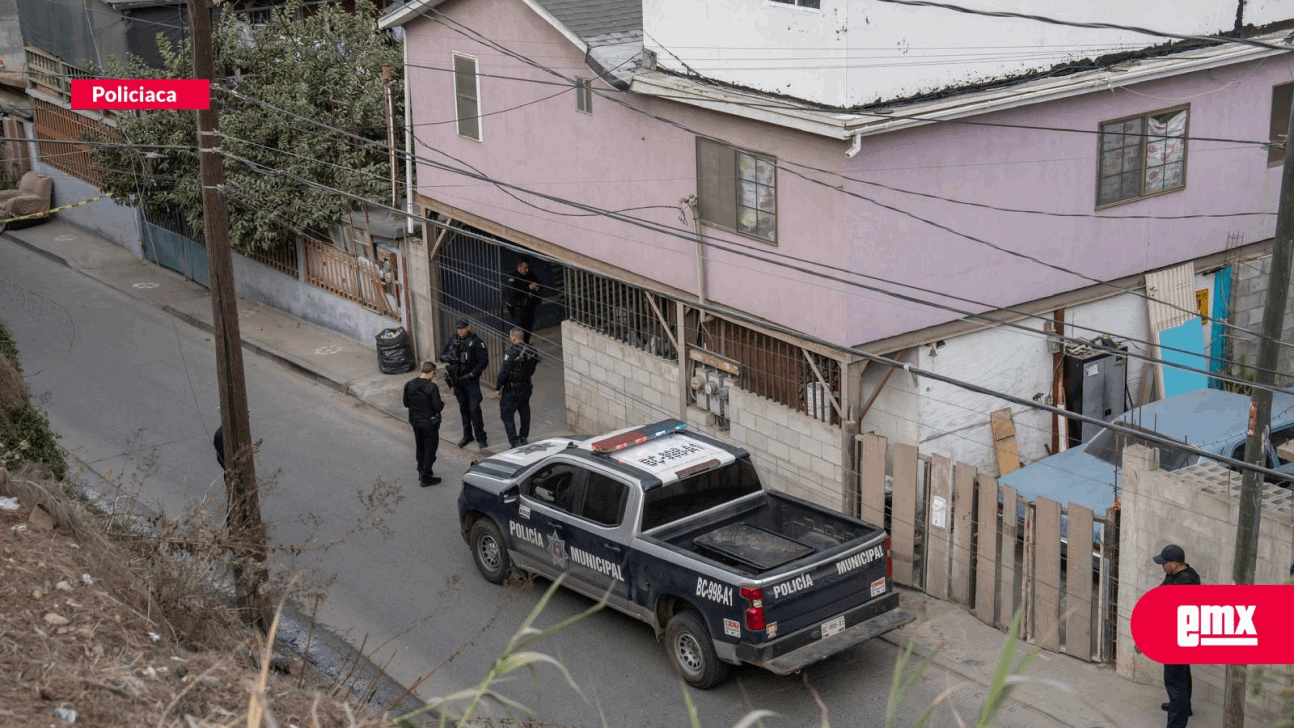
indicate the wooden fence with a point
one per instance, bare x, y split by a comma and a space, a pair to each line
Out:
342, 274
959, 536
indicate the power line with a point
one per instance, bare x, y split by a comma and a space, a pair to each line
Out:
654, 227
1218, 40
448, 22
744, 318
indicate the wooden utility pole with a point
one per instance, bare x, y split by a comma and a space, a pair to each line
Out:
246, 531
390, 132
1260, 414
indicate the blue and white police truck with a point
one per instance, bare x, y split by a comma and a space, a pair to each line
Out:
676, 529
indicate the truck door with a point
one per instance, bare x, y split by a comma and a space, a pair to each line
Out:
538, 532
599, 538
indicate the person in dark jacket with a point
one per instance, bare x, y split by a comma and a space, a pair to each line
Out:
521, 297
422, 398
465, 358
513, 387
1177, 678
219, 441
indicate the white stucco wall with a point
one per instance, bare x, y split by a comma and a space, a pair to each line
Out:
955, 422
894, 412
850, 53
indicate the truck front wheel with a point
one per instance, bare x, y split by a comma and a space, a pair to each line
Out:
489, 550
692, 652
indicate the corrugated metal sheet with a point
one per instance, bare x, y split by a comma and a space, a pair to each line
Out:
1172, 297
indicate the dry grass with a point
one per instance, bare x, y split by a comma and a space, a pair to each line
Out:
103, 626
13, 390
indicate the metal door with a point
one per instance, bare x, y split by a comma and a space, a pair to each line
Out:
471, 278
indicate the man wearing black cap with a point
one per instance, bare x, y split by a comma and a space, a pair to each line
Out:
521, 297
1177, 678
465, 358
422, 397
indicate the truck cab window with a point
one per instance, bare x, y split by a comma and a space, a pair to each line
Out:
692, 495
553, 485
604, 500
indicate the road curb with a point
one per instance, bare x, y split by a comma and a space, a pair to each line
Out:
265, 352
13, 237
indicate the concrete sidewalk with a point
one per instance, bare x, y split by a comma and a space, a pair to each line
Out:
328, 358
1064, 690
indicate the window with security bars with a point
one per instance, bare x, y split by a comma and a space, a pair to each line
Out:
1141, 156
1281, 96
467, 97
737, 189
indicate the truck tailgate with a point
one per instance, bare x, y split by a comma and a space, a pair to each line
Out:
820, 593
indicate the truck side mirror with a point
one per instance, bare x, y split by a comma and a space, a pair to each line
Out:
510, 495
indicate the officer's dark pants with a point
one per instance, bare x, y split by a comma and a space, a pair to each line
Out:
516, 400
1177, 681
426, 436
523, 317
469, 407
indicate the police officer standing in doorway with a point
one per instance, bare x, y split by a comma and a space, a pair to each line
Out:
1177, 678
422, 397
514, 386
521, 297
465, 357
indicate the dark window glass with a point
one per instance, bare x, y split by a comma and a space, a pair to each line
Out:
1108, 446
681, 499
604, 499
554, 485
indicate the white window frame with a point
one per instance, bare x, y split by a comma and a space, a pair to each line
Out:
584, 95
476, 75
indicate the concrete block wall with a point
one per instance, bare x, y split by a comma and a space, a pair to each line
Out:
1199, 512
610, 385
1248, 297
795, 454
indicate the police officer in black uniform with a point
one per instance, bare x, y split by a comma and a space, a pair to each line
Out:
513, 387
521, 297
1177, 678
465, 357
422, 397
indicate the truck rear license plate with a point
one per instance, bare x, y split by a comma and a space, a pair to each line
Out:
835, 626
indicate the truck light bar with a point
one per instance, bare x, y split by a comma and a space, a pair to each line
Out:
638, 436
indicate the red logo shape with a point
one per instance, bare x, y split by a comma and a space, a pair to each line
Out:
1215, 625
141, 94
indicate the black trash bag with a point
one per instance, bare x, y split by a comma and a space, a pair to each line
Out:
394, 355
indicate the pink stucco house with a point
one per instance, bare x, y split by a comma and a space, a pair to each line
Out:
817, 173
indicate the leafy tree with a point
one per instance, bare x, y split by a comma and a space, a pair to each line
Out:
325, 66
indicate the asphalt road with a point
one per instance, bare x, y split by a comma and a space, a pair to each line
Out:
132, 391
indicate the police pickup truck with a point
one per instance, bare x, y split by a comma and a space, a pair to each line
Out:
675, 528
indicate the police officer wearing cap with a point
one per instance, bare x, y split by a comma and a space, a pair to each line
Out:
1177, 678
465, 358
514, 387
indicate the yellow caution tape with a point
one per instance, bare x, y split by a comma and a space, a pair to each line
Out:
54, 210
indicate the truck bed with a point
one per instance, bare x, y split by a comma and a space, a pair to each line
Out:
767, 534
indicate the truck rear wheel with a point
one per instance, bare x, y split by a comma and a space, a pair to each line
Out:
692, 652
489, 550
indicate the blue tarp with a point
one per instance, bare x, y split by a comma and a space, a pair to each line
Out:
1188, 337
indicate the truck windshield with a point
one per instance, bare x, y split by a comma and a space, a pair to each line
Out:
1108, 446
681, 499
